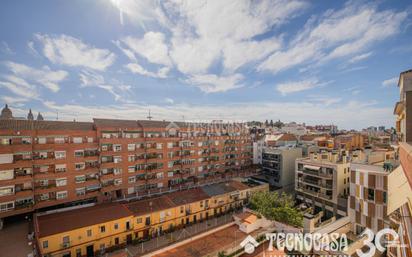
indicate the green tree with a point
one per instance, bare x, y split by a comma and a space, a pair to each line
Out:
276, 207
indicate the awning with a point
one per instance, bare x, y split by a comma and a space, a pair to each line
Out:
310, 167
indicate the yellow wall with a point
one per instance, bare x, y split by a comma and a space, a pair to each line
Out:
173, 216
79, 238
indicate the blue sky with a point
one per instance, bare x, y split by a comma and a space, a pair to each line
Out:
319, 62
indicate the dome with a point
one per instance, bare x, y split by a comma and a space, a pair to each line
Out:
6, 113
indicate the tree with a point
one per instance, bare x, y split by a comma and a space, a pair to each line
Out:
277, 207
221, 254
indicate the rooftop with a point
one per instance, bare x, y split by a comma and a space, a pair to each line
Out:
55, 223
14, 124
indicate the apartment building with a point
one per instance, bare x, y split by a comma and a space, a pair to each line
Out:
322, 182
94, 230
45, 164
403, 108
401, 217
55, 163
278, 166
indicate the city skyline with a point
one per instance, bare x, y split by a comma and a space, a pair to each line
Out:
288, 60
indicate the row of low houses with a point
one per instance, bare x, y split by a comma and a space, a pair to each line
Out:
90, 231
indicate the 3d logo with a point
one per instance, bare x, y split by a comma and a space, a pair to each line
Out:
249, 244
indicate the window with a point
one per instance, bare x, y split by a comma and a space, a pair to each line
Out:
80, 191
139, 220
116, 226
159, 175
117, 181
60, 168
117, 159
77, 140
131, 158
170, 174
117, 148
78, 252
61, 195
58, 155
170, 145
78, 153
371, 194
89, 232
9, 190
6, 206
159, 146
61, 182
41, 140
102, 229
131, 147
384, 197
132, 179
80, 166
59, 140
6, 174
45, 244
90, 140
131, 169
80, 179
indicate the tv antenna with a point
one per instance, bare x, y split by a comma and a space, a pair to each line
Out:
150, 116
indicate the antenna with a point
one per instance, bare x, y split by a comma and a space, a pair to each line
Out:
150, 116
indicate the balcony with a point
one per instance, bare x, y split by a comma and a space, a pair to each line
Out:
45, 185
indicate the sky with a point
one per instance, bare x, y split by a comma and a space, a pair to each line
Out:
318, 62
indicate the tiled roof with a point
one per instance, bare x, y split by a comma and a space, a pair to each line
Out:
188, 196
146, 206
115, 123
44, 125
60, 222
224, 188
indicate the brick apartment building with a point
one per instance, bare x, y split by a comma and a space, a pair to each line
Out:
46, 164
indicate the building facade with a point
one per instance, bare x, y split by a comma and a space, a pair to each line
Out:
278, 166
47, 164
322, 182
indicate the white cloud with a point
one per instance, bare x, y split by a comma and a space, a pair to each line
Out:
361, 114
43, 76
390, 82
5, 48
13, 100
19, 87
137, 69
324, 99
119, 91
211, 83
32, 50
169, 100
207, 32
337, 34
152, 47
71, 51
360, 57
297, 86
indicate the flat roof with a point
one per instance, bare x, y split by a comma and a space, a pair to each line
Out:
55, 223
44, 125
